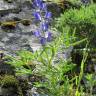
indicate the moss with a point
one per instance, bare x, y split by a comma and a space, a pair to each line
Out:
8, 81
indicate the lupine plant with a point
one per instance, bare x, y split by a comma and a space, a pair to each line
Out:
43, 17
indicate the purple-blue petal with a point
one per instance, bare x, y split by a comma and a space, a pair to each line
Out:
37, 3
43, 40
43, 6
44, 26
48, 15
37, 15
49, 38
36, 33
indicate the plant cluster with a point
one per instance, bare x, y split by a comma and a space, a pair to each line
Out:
83, 21
60, 79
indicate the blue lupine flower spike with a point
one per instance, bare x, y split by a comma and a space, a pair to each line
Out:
43, 16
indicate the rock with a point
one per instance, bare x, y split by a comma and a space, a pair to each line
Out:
7, 91
2, 44
27, 5
9, 17
6, 8
6, 68
55, 9
4, 5
5, 39
27, 29
26, 14
17, 36
9, 1
66, 54
10, 34
32, 92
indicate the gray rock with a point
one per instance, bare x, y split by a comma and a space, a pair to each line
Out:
4, 39
27, 29
8, 17
1, 44
4, 5
20, 37
10, 34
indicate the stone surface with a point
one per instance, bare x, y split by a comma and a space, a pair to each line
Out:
21, 37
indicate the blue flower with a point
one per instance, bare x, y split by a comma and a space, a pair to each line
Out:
44, 26
37, 33
49, 37
38, 3
43, 40
48, 15
43, 6
37, 16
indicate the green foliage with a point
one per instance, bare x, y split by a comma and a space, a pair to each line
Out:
78, 81
23, 58
90, 82
75, 16
57, 80
53, 72
82, 20
54, 76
